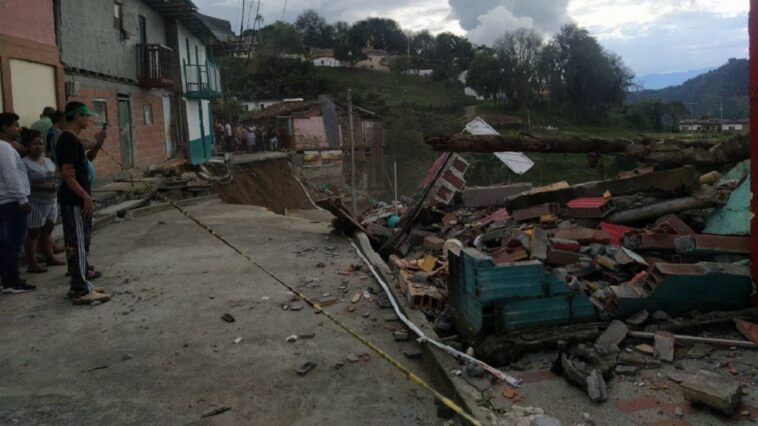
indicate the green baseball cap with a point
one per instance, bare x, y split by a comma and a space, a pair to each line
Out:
73, 108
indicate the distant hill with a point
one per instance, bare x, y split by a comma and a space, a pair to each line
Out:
704, 94
662, 80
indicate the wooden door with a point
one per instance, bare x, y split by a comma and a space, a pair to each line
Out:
125, 133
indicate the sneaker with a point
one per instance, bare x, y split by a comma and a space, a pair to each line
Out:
19, 287
89, 298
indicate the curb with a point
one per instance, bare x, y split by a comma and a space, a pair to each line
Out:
438, 362
101, 222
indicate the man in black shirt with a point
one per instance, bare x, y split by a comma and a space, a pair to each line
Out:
76, 202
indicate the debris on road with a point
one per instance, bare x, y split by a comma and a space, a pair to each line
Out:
228, 317
215, 412
713, 390
305, 368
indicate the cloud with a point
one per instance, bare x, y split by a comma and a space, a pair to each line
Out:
494, 23
487, 20
678, 41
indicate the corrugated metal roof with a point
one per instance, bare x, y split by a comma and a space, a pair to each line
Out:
185, 12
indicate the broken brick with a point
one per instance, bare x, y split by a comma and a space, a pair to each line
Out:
664, 346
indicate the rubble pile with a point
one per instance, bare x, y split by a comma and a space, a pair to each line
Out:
511, 257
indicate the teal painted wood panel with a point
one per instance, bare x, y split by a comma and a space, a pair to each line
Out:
679, 295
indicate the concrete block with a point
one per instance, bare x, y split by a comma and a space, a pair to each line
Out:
482, 196
713, 390
613, 335
664, 346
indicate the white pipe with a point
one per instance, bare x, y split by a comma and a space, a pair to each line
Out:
422, 337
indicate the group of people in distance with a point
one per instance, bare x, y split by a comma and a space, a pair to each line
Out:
249, 138
46, 173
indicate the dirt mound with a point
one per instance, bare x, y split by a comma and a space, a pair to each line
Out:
267, 184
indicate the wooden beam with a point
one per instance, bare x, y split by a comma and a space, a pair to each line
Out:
669, 151
526, 143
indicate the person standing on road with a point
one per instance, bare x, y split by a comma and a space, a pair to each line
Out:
76, 202
45, 121
44, 185
14, 206
51, 137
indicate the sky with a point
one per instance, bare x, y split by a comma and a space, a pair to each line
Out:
652, 36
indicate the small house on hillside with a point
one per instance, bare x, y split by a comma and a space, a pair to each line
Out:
317, 132
737, 126
324, 58
376, 59
713, 126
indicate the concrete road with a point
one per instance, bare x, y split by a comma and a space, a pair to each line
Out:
159, 352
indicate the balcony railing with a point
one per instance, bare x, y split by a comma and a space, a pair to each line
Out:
154, 65
203, 81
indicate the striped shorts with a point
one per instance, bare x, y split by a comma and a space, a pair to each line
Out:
42, 213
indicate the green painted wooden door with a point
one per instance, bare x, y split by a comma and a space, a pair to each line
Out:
125, 133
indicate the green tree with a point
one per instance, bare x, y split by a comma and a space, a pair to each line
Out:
485, 75
594, 80
519, 52
314, 30
280, 37
379, 33
452, 55
345, 49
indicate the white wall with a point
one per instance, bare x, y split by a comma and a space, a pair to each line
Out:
189, 57
326, 62
33, 88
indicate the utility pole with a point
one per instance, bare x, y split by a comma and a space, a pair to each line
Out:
242, 19
353, 195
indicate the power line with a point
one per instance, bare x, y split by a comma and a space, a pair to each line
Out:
284, 9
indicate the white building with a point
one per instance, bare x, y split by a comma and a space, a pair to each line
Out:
326, 61
738, 126
259, 105
201, 82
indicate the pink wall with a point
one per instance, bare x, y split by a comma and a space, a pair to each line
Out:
309, 132
28, 19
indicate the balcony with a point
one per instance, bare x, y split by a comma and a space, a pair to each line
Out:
154, 65
202, 81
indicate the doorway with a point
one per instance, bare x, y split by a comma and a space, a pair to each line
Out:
125, 132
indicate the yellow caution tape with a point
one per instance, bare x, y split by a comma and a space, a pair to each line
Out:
316, 307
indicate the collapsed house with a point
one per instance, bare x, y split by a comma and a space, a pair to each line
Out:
318, 133
512, 257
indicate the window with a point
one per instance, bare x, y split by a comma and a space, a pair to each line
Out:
118, 15
100, 107
147, 110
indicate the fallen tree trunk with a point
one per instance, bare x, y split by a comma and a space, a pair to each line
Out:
671, 151
655, 211
674, 182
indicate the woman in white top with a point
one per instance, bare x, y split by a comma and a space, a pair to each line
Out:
44, 201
